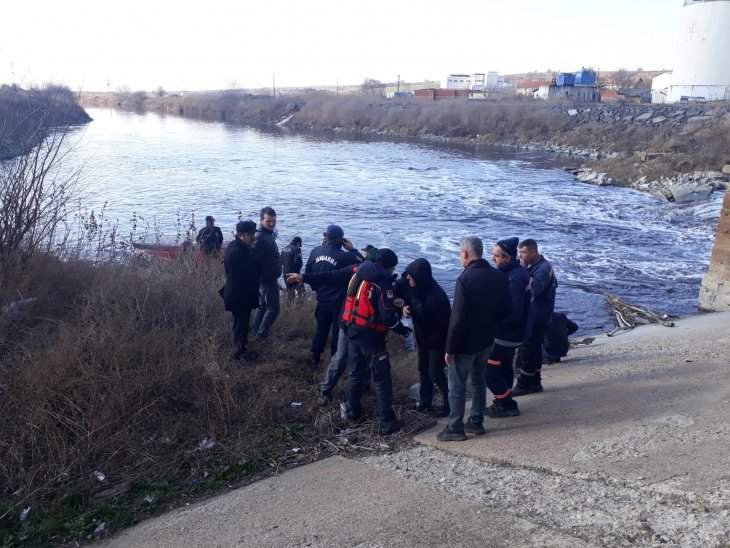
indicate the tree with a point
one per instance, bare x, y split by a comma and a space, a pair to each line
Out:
160, 91
34, 190
622, 78
371, 86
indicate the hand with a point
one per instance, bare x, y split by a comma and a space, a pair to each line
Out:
449, 359
406, 311
294, 278
399, 303
347, 244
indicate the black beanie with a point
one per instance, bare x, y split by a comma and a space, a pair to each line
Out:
386, 258
509, 246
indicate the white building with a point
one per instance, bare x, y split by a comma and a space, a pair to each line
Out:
478, 81
458, 81
701, 69
661, 86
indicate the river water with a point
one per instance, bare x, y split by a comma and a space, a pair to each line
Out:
419, 198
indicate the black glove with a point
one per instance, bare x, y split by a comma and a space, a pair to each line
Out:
402, 330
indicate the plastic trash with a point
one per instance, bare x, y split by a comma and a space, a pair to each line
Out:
343, 412
207, 443
100, 528
149, 499
99, 475
24, 514
295, 404
414, 392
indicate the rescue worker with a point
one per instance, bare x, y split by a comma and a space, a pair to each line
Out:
556, 343
241, 292
269, 261
368, 315
210, 238
425, 302
291, 263
326, 258
543, 285
510, 331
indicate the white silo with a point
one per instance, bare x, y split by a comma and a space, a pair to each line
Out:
702, 64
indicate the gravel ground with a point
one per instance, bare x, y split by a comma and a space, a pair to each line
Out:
594, 509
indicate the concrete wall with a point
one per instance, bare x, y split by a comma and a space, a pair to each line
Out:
715, 291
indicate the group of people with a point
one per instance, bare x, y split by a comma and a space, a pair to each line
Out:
498, 324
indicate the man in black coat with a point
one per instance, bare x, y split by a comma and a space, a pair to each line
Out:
291, 263
426, 303
556, 343
241, 292
210, 238
268, 259
481, 301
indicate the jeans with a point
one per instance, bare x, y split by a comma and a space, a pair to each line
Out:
464, 367
336, 367
269, 307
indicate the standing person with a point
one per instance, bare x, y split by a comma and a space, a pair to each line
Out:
291, 263
427, 304
368, 315
326, 258
241, 291
267, 256
510, 331
481, 301
210, 238
556, 343
543, 285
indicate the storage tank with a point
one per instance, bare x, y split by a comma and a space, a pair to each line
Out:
702, 63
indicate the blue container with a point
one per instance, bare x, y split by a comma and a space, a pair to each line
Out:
565, 79
585, 77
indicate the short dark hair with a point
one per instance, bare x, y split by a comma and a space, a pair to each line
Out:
296, 240
246, 227
529, 243
267, 211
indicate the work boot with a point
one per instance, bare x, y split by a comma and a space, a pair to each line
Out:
499, 410
524, 389
392, 428
451, 435
423, 408
474, 428
324, 398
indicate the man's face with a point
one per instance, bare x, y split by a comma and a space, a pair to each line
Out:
411, 281
247, 237
528, 256
498, 258
209, 224
464, 254
269, 222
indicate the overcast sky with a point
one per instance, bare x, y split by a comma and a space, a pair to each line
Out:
97, 45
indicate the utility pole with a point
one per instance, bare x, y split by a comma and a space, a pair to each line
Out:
273, 83
12, 72
397, 87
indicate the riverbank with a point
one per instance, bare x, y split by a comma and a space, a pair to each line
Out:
648, 147
628, 445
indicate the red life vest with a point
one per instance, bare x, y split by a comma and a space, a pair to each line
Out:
359, 309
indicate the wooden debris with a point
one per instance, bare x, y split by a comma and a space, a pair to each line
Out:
629, 316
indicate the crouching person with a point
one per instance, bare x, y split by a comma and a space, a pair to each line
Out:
368, 315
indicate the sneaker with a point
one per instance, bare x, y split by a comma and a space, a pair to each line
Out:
324, 399
443, 411
495, 411
394, 426
474, 428
451, 435
522, 390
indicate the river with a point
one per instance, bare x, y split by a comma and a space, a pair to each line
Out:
419, 198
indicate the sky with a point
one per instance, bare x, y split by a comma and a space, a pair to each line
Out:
217, 44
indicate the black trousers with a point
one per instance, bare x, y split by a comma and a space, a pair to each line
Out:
239, 332
431, 371
529, 359
328, 321
499, 373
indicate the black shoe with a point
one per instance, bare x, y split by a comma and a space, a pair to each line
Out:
550, 361
312, 362
421, 408
394, 426
451, 435
324, 399
251, 356
474, 428
443, 411
522, 390
496, 411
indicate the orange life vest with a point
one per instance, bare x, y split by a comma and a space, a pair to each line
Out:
359, 309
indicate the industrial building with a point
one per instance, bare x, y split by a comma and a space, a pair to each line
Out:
701, 68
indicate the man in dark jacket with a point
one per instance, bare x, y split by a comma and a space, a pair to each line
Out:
268, 259
510, 331
543, 285
556, 343
210, 238
291, 263
425, 301
241, 292
368, 315
326, 258
481, 301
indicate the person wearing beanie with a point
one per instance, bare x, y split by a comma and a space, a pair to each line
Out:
328, 257
241, 292
544, 286
499, 373
210, 238
368, 315
481, 301
291, 263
